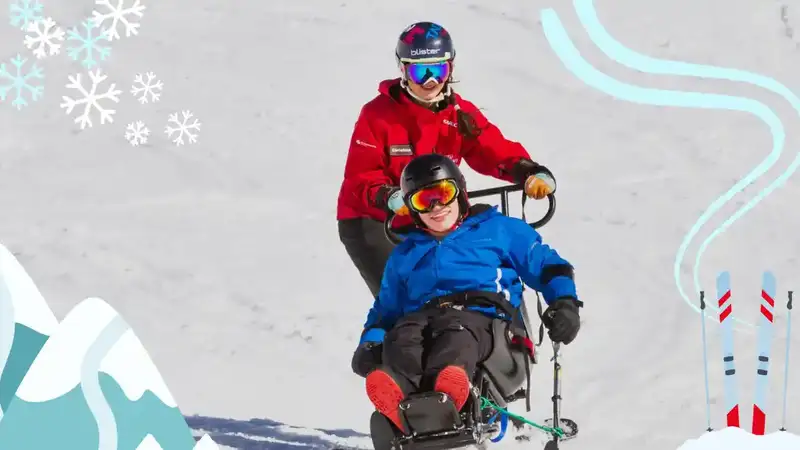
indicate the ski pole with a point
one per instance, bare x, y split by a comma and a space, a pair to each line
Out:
786, 369
705, 357
556, 385
553, 443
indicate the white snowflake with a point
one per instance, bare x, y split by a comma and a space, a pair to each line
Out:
136, 133
117, 14
143, 87
91, 99
183, 127
46, 37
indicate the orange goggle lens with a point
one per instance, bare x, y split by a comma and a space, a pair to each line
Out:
442, 192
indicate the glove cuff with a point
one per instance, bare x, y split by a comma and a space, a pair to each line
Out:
373, 335
382, 196
525, 168
570, 303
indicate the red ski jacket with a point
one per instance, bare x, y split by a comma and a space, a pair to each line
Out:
392, 129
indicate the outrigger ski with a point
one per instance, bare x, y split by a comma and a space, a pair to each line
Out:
568, 427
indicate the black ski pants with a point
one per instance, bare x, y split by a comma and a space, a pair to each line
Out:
424, 342
368, 248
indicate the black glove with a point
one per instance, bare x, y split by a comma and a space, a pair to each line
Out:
562, 320
366, 358
369, 353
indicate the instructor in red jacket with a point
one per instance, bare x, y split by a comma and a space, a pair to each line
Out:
418, 114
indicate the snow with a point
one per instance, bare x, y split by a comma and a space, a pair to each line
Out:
57, 368
128, 363
223, 255
28, 305
733, 438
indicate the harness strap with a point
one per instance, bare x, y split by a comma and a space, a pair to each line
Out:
486, 299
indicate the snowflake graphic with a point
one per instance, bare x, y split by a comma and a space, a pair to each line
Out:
45, 32
89, 44
116, 15
23, 12
91, 99
183, 127
136, 133
20, 82
143, 87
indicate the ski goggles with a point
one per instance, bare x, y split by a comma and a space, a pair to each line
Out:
420, 73
442, 192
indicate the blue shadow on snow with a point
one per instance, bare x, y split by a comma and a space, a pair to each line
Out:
266, 434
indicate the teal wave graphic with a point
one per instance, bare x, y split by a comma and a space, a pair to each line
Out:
566, 51
68, 419
26, 345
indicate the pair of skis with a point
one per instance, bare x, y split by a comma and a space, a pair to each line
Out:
765, 335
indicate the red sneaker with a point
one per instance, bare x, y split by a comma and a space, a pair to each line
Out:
454, 382
384, 392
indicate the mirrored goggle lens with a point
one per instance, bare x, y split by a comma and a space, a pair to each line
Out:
420, 73
443, 192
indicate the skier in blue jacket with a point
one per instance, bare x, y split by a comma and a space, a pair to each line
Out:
460, 268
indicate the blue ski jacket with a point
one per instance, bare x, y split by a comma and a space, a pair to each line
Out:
488, 252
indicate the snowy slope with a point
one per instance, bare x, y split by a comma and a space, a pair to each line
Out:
737, 439
223, 255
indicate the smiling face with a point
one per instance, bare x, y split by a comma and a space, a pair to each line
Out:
427, 91
441, 218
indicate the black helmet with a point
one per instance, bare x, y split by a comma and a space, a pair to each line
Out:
424, 41
428, 169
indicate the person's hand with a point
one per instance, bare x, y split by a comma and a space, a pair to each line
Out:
562, 320
539, 186
368, 354
395, 202
390, 198
538, 182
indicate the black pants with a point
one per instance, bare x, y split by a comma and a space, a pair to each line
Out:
424, 342
367, 247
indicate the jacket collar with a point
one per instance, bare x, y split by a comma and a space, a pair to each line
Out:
394, 90
478, 213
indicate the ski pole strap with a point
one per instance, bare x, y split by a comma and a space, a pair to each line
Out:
486, 403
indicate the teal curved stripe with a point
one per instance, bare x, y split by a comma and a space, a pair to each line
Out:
561, 44
626, 57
